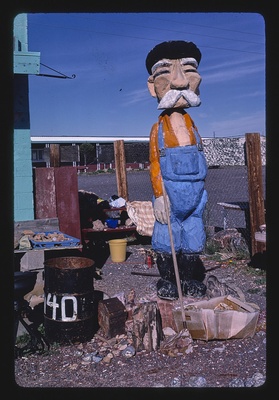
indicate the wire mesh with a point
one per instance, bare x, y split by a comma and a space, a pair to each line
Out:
226, 181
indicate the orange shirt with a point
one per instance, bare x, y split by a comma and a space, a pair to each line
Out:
170, 141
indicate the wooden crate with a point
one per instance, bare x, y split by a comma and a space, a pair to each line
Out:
112, 316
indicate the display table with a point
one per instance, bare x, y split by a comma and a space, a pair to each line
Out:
231, 206
88, 234
33, 258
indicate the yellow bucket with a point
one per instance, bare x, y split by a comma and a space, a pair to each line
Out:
117, 249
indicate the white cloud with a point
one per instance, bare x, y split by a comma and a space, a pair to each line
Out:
232, 73
136, 96
233, 69
239, 125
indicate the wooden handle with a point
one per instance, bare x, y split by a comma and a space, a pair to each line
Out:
176, 271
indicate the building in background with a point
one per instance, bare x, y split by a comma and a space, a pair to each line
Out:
95, 152
70, 150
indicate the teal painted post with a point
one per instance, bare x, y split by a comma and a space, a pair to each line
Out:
23, 181
24, 64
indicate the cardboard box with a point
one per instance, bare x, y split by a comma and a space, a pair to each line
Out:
224, 317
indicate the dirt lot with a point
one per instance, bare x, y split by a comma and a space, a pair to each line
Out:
101, 363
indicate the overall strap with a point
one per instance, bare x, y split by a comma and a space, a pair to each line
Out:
194, 134
161, 140
198, 139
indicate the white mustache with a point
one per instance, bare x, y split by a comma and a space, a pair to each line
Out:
171, 97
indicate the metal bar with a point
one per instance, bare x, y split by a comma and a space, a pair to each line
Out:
145, 273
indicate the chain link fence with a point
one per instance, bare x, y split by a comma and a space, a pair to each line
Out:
226, 182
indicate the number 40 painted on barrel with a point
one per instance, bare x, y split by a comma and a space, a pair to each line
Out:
54, 304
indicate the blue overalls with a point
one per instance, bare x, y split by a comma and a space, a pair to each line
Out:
183, 170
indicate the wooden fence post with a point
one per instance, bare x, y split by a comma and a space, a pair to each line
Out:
54, 155
120, 167
255, 187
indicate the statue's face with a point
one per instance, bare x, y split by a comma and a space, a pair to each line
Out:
175, 83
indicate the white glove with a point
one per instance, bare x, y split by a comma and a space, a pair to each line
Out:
160, 210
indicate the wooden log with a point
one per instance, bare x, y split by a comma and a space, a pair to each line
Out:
120, 166
255, 186
147, 330
112, 316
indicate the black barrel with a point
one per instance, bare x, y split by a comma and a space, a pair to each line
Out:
69, 300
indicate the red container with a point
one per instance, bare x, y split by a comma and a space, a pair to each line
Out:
149, 261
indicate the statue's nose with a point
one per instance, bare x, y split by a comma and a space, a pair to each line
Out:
177, 78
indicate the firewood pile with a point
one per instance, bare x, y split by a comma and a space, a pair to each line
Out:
143, 326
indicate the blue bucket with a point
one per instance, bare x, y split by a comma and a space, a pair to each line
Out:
112, 223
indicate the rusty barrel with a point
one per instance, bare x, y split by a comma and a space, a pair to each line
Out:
69, 299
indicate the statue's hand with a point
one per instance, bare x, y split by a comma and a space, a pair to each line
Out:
160, 210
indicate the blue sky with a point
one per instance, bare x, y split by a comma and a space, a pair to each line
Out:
107, 51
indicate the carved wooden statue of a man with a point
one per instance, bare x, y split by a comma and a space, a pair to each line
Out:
177, 160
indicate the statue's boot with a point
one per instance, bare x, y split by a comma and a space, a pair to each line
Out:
192, 273
166, 285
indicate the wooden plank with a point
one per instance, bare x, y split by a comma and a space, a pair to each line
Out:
255, 186
121, 228
45, 195
67, 203
56, 195
230, 206
120, 167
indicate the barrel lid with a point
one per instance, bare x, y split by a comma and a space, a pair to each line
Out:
69, 262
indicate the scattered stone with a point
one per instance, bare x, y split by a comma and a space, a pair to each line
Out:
97, 358
107, 359
237, 382
116, 352
230, 240
219, 349
197, 381
87, 358
129, 351
72, 366
178, 344
168, 331
215, 288
257, 380
176, 382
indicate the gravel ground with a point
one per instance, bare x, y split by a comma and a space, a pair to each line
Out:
102, 363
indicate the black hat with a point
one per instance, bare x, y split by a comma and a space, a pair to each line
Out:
172, 50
